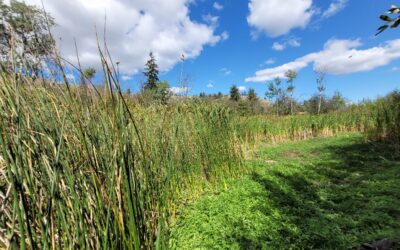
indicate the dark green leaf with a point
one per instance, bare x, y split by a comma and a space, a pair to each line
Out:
381, 29
395, 23
385, 18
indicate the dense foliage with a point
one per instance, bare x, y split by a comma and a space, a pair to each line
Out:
104, 173
385, 124
24, 37
234, 94
109, 172
113, 170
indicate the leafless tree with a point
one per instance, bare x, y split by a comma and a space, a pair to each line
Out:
291, 75
320, 78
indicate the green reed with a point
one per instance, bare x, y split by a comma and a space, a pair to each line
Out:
274, 129
79, 171
385, 118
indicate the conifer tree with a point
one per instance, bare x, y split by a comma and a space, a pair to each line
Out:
252, 95
151, 72
234, 93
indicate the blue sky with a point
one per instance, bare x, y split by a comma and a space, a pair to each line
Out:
243, 56
242, 42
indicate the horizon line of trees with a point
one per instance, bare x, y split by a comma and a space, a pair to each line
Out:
26, 42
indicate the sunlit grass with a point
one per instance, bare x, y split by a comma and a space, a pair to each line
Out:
96, 173
277, 129
334, 193
83, 170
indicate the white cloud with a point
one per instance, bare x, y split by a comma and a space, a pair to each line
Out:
211, 20
294, 42
218, 6
335, 7
338, 57
179, 90
134, 28
269, 61
224, 36
242, 88
226, 71
277, 17
278, 46
126, 77
210, 85
71, 77
291, 42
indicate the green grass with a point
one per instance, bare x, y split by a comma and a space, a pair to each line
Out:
80, 172
79, 169
334, 193
274, 129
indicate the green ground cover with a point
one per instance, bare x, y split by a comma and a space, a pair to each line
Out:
324, 193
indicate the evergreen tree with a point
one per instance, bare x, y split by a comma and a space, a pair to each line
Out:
252, 95
151, 72
234, 93
252, 99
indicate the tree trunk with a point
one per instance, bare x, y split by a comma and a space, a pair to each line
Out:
277, 107
291, 104
319, 103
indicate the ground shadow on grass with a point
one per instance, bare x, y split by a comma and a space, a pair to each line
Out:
349, 196
334, 193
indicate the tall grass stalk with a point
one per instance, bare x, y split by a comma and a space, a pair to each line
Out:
79, 171
277, 128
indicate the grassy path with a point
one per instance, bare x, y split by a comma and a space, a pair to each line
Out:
334, 193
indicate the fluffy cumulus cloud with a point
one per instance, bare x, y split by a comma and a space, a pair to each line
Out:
338, 57
277, 17
335, 7
133, 29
